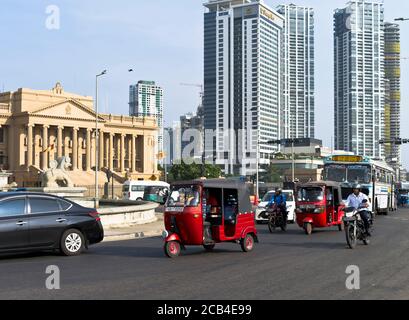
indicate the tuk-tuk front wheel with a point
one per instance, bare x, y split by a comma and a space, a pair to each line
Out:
209, 247
247, 244
308, 228
172, 249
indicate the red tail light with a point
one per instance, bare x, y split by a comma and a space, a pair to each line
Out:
95, 215
129, 195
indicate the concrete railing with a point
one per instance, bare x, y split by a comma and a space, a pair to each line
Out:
122, 213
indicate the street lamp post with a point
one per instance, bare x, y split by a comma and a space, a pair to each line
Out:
256, 109
292, 161
258, 165
97, 139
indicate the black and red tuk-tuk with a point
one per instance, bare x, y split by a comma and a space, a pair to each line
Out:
207, 212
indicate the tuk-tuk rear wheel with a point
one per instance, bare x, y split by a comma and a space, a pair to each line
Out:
247, 244
172, 249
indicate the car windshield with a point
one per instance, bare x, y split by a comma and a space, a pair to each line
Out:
185, 196
289, 196
310, 194
267, 197
125, 188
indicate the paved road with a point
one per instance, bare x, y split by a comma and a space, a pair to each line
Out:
283, 266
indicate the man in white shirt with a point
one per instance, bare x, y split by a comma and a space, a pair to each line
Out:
355, 200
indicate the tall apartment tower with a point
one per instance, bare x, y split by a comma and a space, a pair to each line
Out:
393, 94
242, 82
298, 71
146, 100
359, 78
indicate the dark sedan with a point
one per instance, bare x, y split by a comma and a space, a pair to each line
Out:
36, 222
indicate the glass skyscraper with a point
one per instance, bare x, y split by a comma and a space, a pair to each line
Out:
242, 81
146, 100
359, 78
393, 94
298, 71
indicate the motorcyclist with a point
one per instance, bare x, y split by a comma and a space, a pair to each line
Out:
280, 201
359, 200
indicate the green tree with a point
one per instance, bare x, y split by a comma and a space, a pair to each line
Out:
272, 174
184, 171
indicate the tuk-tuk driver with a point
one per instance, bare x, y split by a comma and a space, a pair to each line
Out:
355, 200
194, 197
279, 199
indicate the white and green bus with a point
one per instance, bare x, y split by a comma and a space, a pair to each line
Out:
376, 177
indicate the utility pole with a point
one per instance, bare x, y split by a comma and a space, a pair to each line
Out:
97, 139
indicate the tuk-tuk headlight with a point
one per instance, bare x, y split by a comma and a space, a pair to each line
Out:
165, 234
319, 209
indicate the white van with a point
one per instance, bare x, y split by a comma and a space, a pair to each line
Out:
135, 190
289, 195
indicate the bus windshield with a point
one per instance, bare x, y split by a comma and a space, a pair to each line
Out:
359, 174
335, 173
184, 196
348, 173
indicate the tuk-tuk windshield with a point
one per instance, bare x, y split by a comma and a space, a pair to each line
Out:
310, 194
185, 196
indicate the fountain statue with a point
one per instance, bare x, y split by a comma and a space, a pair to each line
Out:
57, 175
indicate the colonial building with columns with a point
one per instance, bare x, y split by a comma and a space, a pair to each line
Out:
38, 126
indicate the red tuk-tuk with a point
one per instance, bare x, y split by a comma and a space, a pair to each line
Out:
207, 212
319, 205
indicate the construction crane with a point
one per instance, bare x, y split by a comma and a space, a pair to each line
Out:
197, 86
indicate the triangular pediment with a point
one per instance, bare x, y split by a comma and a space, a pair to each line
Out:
68, 109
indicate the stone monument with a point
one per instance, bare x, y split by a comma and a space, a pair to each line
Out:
57, 175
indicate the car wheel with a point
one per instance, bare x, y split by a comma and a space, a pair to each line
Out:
72, 242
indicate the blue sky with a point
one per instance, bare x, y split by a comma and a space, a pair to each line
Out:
161, 40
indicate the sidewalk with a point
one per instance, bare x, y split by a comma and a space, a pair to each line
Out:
141, 231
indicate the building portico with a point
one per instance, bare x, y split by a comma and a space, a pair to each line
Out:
39, 126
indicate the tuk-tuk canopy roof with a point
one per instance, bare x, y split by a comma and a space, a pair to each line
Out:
320, 184
214, 183
243, 193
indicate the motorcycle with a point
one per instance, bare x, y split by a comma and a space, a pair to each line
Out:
276, 219
354, 225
